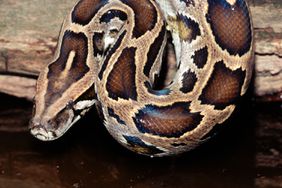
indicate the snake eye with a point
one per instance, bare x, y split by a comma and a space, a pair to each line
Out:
70, 105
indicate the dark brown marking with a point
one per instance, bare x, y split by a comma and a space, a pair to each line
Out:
137, 145
18, 74
145, 15
154, 51
110, 53
58, 81
169, 121
114, 115
85, 10
188, 81
188, 28
99, 109
230, 25
159, 92
200, 58
223, 87
111, 14
98, 43
188, 2
61, 118
89, 94
121, 80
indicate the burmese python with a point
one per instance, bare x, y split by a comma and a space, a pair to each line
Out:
110, 54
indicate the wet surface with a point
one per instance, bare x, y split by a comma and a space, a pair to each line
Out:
246, 154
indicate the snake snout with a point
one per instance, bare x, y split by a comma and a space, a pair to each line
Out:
39, 132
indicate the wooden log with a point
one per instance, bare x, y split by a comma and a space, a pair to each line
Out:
268, 49
29, 29
268, 131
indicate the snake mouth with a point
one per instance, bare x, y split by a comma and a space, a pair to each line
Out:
48, 128
52, 130
42, 134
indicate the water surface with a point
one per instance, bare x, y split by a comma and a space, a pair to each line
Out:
87, 156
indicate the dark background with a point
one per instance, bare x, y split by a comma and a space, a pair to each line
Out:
246, 153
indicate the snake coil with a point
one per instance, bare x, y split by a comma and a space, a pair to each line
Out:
111, 52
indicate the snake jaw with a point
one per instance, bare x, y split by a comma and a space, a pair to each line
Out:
47, 128
42, 134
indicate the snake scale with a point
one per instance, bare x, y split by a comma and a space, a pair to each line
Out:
111, 54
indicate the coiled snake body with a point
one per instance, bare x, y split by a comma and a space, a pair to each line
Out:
110, 54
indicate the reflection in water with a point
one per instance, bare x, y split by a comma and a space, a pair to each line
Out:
88, 157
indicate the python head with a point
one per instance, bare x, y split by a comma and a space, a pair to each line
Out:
65, 88
56, 119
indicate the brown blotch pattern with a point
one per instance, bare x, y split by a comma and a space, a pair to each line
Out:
58, 80
154, 51
200, 57
223, 87
110, 54
145, 15
188, 81
188, 28
121, 80
169, 121
230, 25
85, 10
